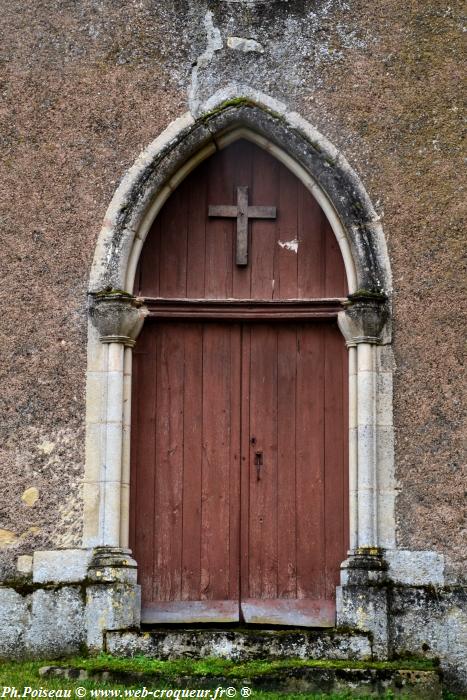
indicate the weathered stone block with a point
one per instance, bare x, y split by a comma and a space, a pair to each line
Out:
24, 564
57, 623
110, 607
14, 618
411, 568
365, 608
240, 645
431, 622
61, 566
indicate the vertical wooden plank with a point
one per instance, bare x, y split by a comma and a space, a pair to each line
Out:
144, 455
196, 226
335, 277
173, 245
245, 462
234, 467
263, 491
147, 282
219, 231
169, 463
242, 154
286, 457
137, 280
334, 456
216, 462
263, 231
241, 246
287, 248
192, 459
310, 461
311, 268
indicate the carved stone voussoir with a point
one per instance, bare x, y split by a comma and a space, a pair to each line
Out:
364, 319
118, 316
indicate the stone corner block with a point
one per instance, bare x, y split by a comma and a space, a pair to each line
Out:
421, 568
61, 565
14, 621
111, 607
57, 623
24, 564
365, 608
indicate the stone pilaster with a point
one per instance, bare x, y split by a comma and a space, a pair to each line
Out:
362, 600
118, 318
362, 324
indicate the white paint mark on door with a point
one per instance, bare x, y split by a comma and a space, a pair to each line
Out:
290, 245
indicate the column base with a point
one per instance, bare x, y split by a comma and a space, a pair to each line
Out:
362, 597
112, 565
113, 598
364, 566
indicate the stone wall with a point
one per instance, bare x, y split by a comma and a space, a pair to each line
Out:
430, 622
85, 87
62, 603
94, 602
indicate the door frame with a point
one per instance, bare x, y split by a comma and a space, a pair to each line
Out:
115, 316
278, 312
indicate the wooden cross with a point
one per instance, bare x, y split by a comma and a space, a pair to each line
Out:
242, 212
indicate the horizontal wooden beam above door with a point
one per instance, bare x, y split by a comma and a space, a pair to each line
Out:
244, 309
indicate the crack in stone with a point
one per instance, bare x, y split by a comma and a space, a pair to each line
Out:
214, 43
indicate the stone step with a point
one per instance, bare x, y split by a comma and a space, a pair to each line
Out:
240, 644
350, 681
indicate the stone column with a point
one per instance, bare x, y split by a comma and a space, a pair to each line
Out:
353, 447
362, 597
118, 318
362, 324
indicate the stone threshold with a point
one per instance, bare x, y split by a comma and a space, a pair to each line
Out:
240, 644
375, 680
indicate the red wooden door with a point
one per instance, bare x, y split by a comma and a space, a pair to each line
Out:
185, 486
239, 493
239, 428
294, 488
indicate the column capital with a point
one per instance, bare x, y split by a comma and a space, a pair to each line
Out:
118, 316
364, 318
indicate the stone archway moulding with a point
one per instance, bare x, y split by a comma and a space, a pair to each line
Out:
188, 141
116, 316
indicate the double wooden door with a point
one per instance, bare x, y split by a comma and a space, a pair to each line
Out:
239, 476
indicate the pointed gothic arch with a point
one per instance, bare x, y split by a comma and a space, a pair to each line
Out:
187, 142
116, 317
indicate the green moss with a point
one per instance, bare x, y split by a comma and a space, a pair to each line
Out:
110, 292
232, 669
447, 695
375, 294
26, 586
26, 674
234, 102
246, 102
21, 674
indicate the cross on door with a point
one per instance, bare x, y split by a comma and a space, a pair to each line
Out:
242, 212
